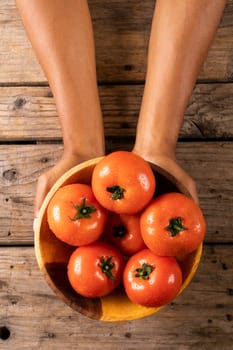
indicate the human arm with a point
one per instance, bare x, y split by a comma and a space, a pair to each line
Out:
61, 34
181, 34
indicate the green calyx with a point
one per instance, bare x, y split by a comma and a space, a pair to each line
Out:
144, 271
83, 210
119, 231
117, 192
175, 226
106, 266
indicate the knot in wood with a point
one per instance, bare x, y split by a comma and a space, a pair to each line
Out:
10, 174
44, 160
19, 102
50, 94
129, 67
4, 333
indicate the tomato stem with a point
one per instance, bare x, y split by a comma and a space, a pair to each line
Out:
119, 231
106, 266
175, 226
144, 271
83, 210
117, 192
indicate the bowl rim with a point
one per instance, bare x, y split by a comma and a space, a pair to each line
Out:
38, 222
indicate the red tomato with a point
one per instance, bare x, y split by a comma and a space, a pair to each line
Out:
96, 269
152, 280
75, 216
123, 231
123, 182
172, 225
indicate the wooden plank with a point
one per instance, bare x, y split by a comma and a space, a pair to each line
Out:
24, 112
200, 318
209, 163
29, 113
20, 167
121, 32
209, 113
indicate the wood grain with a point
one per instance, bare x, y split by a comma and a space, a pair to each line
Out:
123, 58
31, 316
29, 113
200, 318
209, 163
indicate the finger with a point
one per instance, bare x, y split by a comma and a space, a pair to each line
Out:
41, 191
187, 181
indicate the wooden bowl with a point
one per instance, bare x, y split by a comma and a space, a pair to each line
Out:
52, 255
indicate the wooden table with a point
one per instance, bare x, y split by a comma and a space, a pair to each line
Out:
31, 316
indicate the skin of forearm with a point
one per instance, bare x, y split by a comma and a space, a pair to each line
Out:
61, 34
182, 32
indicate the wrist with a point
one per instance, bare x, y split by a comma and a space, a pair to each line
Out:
82, 152
149, 149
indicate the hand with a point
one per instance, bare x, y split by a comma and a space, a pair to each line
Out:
46, 180
170, 164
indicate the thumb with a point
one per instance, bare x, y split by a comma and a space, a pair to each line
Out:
193, 190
